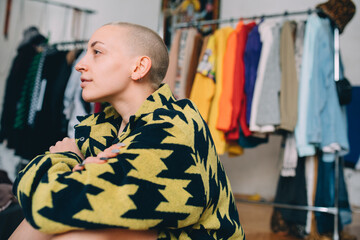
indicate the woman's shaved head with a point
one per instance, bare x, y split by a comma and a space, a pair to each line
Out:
144, 41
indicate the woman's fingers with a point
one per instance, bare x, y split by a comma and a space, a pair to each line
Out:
78, 167
102, 157
89, 160
111, 151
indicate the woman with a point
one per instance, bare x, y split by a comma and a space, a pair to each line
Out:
150, 167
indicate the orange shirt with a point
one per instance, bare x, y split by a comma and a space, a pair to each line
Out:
226, 106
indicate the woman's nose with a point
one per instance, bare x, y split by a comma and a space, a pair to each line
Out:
80, 66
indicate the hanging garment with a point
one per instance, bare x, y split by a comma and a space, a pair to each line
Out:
205, 78
26, 52
268, 112
292, 190
323, 122
74, 105
49, 126
311, 172
36, 91
221, 36
233, 99
193, 63
289, 81
291, 159
252, 140
186, 49
265, 30
325, 197
305, 148
353, 116
13, 90
240, 78
326, 120
299, 46
23, 107
290, 156
251, 61
227, 95
173, 61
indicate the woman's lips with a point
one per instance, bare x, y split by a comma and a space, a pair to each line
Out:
84, 82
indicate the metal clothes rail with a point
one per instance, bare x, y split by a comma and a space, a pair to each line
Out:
79, 44
227, 20
64, 5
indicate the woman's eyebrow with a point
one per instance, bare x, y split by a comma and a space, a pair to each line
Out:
95, 42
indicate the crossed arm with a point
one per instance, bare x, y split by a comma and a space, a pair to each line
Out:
26, 231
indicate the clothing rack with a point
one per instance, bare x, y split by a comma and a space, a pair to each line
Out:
331, 210
64, 5
79, 44
218, 21
68, 45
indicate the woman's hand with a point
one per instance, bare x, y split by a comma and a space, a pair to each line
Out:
65, 145
102, 157
26, 231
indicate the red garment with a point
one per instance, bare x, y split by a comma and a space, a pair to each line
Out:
239, 98
97, 107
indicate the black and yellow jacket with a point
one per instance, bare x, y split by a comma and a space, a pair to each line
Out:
168, 177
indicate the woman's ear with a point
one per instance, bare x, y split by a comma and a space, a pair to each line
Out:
142, 67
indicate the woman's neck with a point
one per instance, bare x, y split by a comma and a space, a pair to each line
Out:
128, 105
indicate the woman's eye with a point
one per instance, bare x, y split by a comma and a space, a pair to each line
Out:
96, 52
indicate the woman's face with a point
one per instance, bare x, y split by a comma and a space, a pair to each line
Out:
107, 65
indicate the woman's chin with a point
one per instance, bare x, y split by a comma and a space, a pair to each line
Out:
87, 98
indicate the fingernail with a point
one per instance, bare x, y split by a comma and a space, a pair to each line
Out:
104, 158
121, 144
82, 164
115, 150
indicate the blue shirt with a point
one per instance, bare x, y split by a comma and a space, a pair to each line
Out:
321, 122
251, 60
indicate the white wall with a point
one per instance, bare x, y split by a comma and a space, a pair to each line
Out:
56, 22
257, 171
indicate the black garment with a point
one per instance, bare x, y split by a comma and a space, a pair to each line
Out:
13, 88
325, 196
23, 105
49, 121
14, 82
292, 190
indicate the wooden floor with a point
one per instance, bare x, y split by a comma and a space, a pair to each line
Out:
255, 219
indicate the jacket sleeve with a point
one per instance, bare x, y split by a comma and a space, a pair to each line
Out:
30, 185
152, 183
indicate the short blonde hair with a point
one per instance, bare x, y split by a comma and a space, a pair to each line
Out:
147, 42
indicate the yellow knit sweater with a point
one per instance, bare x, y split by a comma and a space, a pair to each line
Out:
168, 177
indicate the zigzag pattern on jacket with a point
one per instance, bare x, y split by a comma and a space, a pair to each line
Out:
168, 177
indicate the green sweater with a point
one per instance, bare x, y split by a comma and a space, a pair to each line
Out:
168, 177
